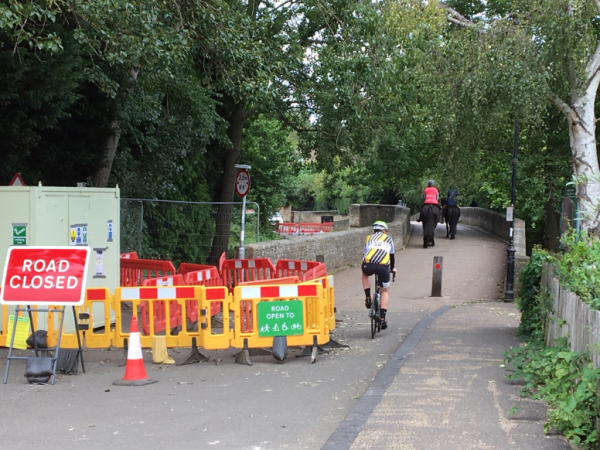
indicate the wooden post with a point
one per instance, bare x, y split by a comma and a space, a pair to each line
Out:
436, 279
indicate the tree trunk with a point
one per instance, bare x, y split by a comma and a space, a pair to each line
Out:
103, 173
582, 133
223, 220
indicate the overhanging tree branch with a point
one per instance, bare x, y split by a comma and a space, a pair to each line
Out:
457, 18
565, 108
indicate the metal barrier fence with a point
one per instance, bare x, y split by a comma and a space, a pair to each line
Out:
180, 230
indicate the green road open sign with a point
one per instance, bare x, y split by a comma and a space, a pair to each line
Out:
19, 235
281, 318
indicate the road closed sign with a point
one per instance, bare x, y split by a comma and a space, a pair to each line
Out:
45, 276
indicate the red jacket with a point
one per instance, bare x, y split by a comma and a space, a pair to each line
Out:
431, 195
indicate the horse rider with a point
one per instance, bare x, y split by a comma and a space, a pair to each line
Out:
378, 257
451, 200
431, 196
452, 197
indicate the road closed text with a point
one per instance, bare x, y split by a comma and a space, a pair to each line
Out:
46, 274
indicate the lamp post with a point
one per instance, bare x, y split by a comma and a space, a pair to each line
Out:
509, 295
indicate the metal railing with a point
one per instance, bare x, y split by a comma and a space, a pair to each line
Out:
180, 230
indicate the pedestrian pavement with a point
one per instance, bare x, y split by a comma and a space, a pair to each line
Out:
445, 387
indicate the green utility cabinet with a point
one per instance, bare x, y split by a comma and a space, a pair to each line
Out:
40, 215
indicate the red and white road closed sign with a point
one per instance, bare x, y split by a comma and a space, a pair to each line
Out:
45, 276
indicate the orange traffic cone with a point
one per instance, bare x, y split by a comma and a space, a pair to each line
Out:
135, 372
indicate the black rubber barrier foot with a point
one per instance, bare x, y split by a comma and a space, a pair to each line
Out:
334, 344
260, 352
194, 357
280, 347
315, 351
125, 347
243, 357
308, 351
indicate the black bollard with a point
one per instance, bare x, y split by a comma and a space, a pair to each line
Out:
436, 279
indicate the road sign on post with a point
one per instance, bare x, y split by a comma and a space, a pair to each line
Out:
242, 182
17, 180
242, 186
45, 276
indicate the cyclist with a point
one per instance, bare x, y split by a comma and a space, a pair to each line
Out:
378, 257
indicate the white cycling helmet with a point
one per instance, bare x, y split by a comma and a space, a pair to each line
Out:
380, 225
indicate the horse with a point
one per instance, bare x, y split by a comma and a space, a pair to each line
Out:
451, 214
430, 216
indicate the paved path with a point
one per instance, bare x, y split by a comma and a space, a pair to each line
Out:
447, 392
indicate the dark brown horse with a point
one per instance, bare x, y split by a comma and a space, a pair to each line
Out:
430, 216
451, 215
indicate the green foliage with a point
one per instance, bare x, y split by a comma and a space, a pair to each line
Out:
318, 190
565, 381
533, 303
577, 269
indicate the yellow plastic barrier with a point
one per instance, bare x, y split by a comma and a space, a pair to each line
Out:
9, 311
130, 298
327, 283
214, 337
111, 315
4, 326
96, 299
245, 307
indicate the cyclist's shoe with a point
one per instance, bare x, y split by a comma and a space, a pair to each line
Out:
368, 302
383, 323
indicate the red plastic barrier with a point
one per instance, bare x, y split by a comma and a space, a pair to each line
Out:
135, 271
327, 227
222, 259
130, 255
206, 277
316, 272
291, 267
309, 228
160, 317
185, 268
287, 228
236, 271
277, 281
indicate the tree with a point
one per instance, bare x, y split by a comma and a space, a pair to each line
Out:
557, 42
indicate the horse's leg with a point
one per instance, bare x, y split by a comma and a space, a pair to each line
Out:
447, 228
424, 242
432, 241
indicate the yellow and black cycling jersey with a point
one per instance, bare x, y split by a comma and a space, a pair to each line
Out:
378, 247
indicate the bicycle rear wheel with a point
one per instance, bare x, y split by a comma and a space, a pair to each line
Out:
375, 325
373, 322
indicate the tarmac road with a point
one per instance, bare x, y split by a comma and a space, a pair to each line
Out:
270, 405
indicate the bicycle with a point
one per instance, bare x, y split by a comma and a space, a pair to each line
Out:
375, 313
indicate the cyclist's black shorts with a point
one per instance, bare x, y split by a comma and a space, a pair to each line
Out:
383, 270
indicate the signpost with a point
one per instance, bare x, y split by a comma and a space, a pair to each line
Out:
47, 277
242, 186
